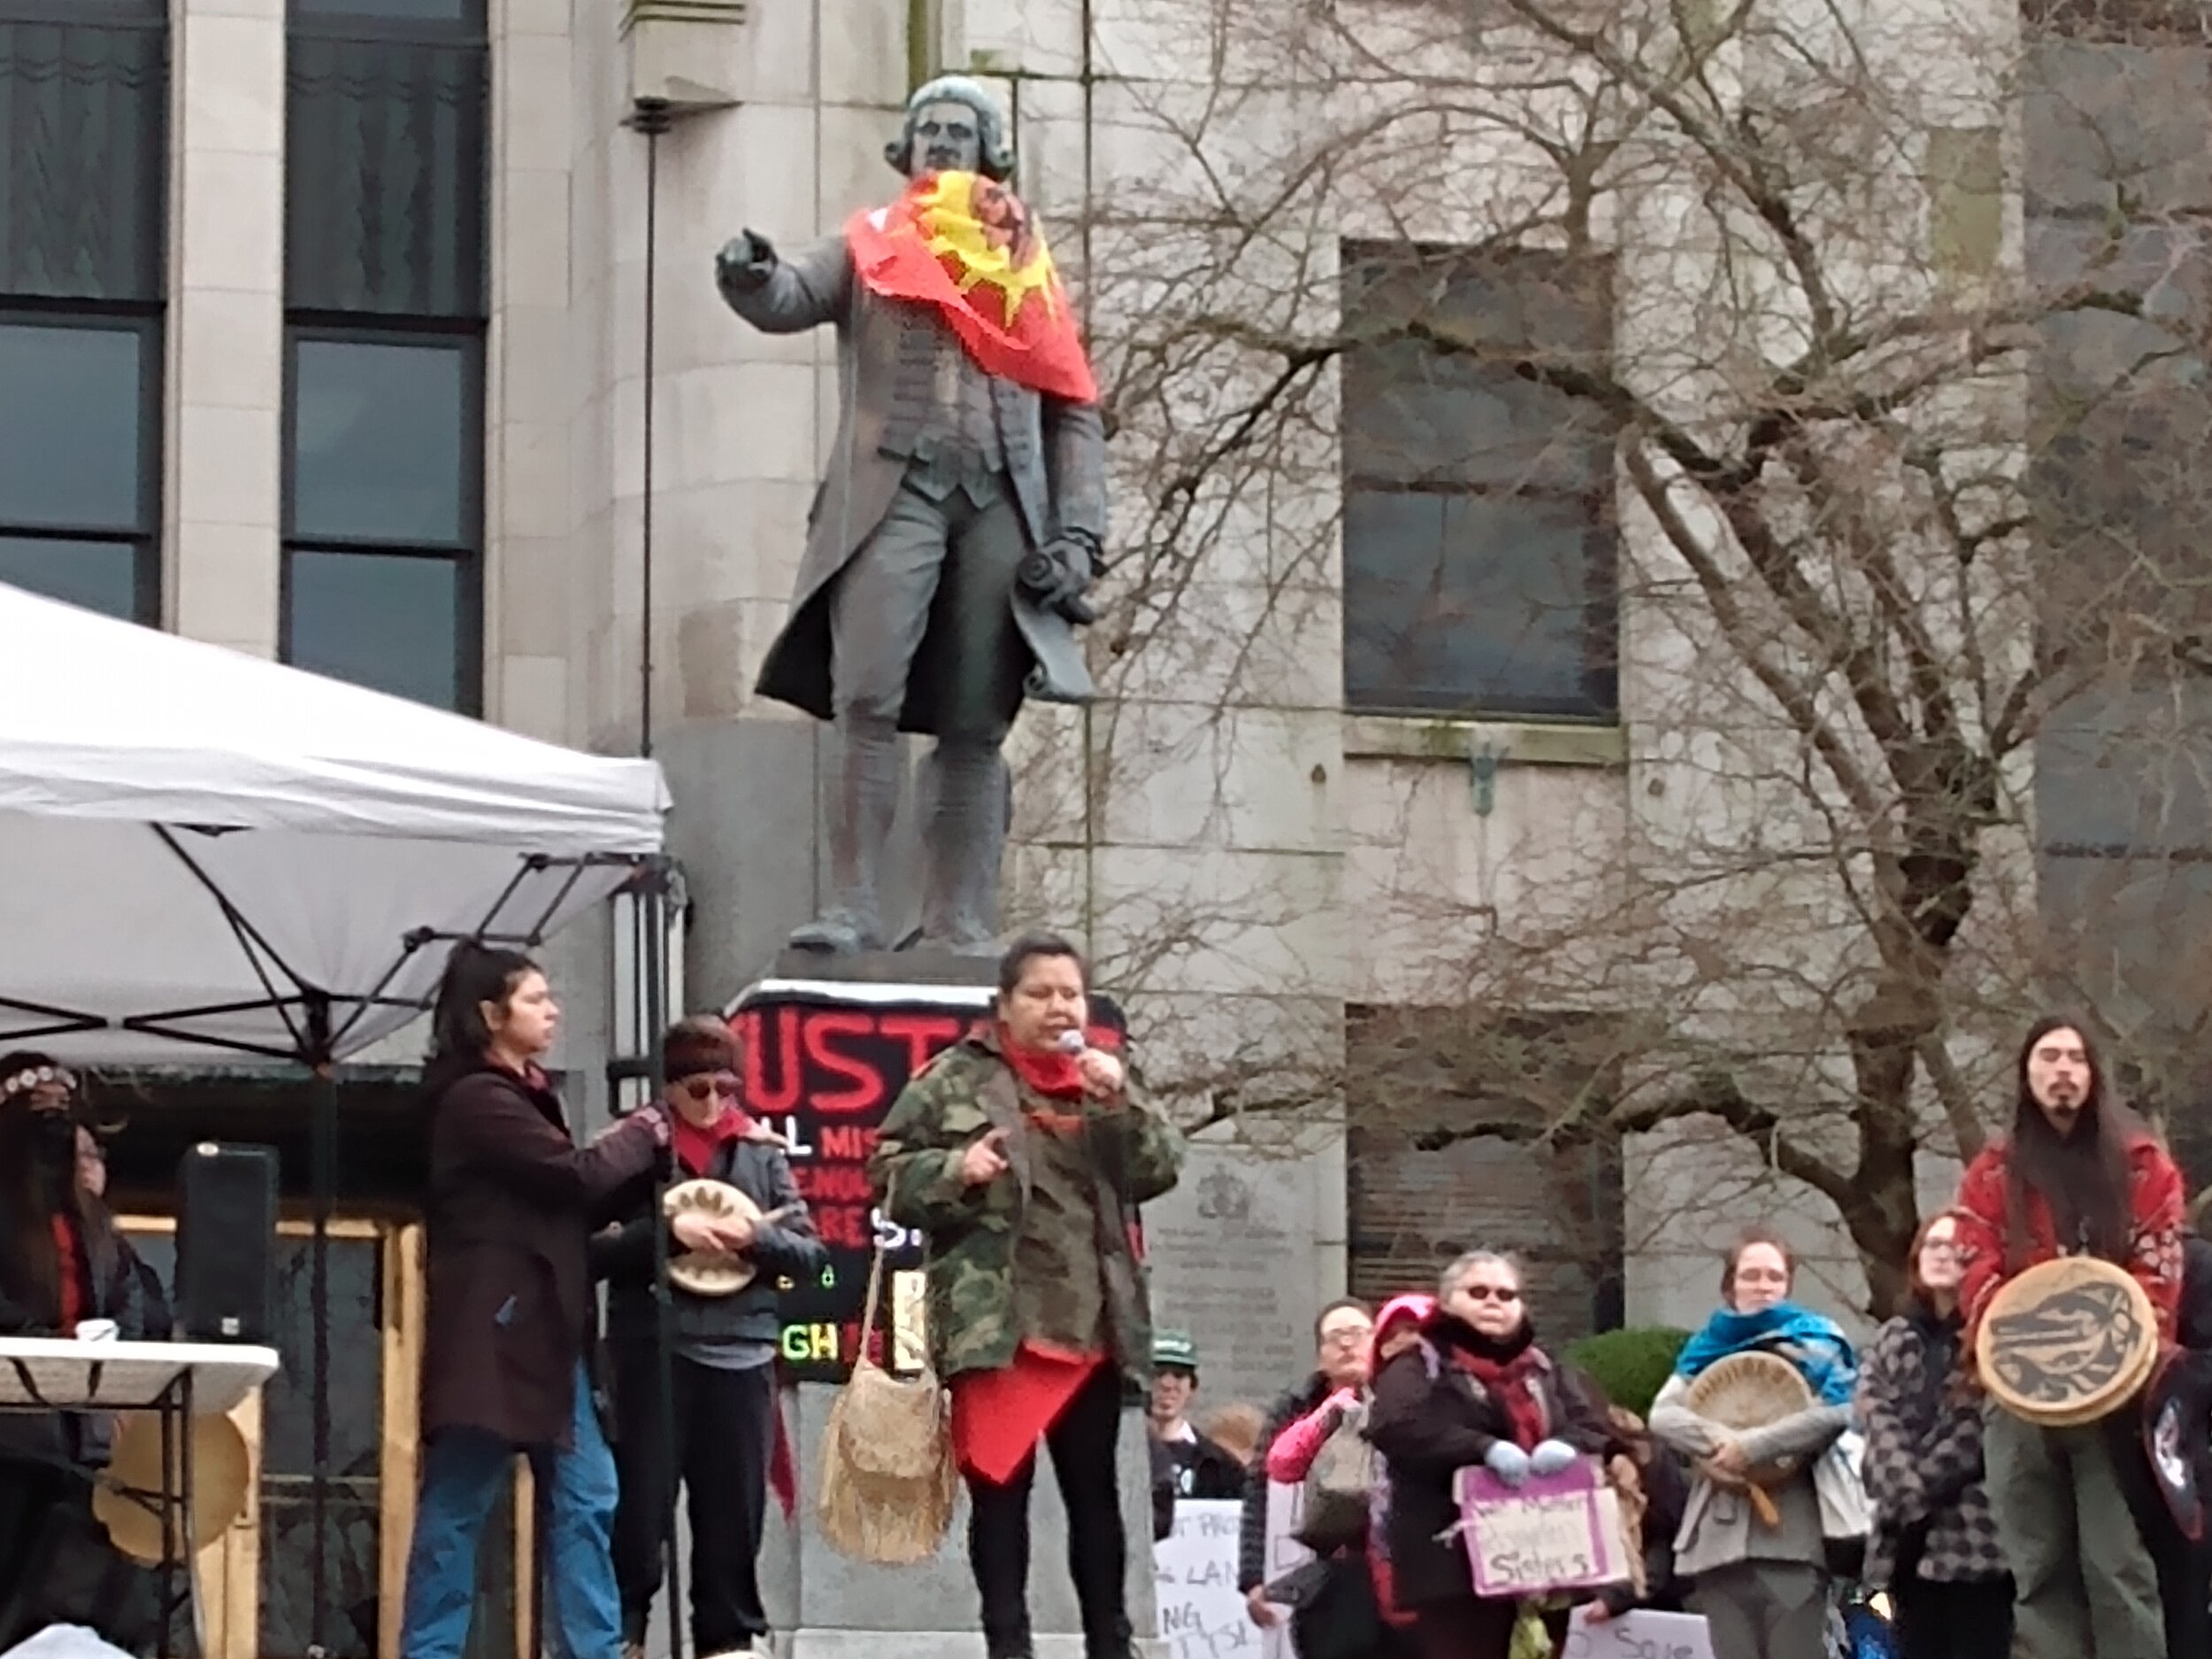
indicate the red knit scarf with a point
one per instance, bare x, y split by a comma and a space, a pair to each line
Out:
1508, 1382
69, 1265
695, 1147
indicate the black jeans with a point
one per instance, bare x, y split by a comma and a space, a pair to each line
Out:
724, 1423
1083, 1444
1965, 1618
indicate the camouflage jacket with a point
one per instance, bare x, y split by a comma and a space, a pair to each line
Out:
960, 1097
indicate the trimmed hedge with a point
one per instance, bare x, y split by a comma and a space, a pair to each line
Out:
1631, 1366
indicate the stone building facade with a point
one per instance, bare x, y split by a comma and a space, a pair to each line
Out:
363, 288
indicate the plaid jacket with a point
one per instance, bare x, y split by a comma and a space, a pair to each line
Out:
1923, 1458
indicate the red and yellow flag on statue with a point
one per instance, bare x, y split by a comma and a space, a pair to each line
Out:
967, 245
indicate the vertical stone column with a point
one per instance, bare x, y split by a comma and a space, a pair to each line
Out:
530, 393
224, 391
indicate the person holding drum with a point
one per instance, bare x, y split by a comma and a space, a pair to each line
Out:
1758, 1401
1934, 1542
2070, 1238
735, 1226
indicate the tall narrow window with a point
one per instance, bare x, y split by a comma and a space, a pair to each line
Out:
1478, 541
385, 292
83, 108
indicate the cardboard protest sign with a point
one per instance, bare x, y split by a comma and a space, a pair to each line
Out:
1195, 1583
1638, 1635
1558, 1532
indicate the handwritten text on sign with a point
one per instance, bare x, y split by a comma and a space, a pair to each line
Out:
1558, 1532
1639, 1635
1195, 1583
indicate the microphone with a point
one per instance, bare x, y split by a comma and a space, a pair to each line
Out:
1069, 1042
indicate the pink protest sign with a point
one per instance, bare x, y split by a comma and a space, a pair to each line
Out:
1558, 1532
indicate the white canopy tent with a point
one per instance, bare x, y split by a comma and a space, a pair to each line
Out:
205, 854
204, 851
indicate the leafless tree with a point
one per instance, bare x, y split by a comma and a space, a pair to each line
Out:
1904, 391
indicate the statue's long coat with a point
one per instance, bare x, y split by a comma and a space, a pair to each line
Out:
1056, 464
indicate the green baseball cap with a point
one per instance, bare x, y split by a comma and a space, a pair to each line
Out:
1174, 1350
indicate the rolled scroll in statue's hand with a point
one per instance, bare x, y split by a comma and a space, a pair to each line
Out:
1055, 576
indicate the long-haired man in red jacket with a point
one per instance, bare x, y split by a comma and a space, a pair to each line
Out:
2079, 1175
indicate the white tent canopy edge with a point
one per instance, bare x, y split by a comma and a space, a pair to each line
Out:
209, 852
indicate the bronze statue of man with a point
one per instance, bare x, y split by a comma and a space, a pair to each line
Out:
962, 518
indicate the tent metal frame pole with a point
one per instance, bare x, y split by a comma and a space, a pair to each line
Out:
655, 1020
323, 1143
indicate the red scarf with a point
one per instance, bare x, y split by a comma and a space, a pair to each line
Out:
695, 1147
1047, 1072
1508, 1382
68, 1262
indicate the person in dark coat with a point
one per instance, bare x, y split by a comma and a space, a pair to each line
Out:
1477, 1392
2184, 1565
1342, 1335
62, 1264
722, 1369
513, 1203
1186, 1462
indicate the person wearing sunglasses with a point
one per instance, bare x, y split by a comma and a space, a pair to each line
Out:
723, 1373
1474, 1391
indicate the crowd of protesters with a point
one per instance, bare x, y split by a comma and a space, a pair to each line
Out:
1895, 1483
1022, 1153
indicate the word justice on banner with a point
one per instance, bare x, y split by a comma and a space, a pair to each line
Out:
823, 1063
1195, 1583
1638, 1635
1558, 1532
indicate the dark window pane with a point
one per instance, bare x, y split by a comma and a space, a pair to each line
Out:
378, 620
70, 406
100, 576
385, 178
379, 444
1469, 604
83, 115
390, 10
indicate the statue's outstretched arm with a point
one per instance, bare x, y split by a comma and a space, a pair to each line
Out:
780, 295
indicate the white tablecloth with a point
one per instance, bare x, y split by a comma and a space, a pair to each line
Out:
118, 1376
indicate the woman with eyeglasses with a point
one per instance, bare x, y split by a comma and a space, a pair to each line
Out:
1474, 1391
1776, 1513
1934, 1542
722, 1367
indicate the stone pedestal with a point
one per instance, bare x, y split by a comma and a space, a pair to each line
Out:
825, 1606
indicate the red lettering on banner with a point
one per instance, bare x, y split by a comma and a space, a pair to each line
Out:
845, 1227
924, 1034
850, 1142
834, 1184
760, 1099
867, 1085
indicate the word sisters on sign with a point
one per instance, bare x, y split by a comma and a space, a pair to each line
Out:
1558, 1532
1195, 1583
1639, 1635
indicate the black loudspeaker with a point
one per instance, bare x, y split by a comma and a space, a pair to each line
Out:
226, 1218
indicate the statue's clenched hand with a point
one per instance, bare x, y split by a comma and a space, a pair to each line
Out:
746, 260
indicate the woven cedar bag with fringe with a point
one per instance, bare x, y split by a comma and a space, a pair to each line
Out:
888, 1481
